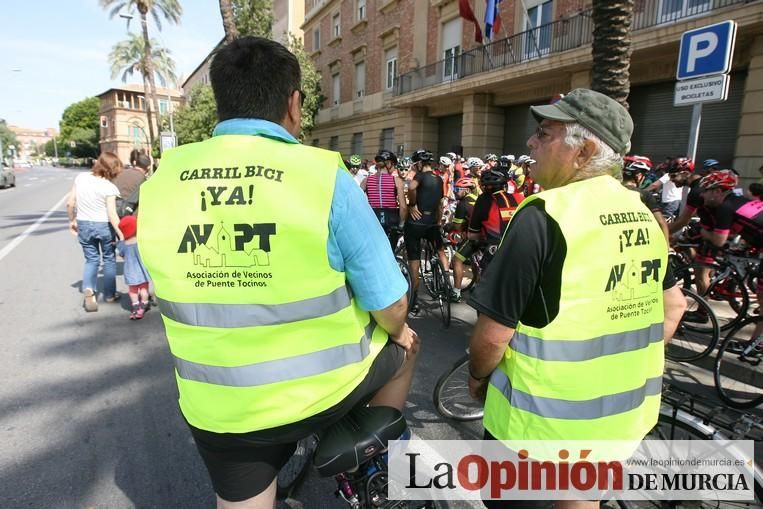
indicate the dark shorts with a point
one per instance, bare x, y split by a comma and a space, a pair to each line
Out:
388, 218
466, 249
413, 234
242, 465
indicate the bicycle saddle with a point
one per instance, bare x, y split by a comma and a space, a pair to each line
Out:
355, 439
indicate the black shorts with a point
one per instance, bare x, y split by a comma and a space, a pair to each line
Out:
388, 218
242, 465
413, 234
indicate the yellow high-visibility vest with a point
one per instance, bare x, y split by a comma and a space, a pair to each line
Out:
595, 371
263, 331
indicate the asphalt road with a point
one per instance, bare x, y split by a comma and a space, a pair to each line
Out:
88, 412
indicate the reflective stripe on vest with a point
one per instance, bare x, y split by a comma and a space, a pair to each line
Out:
583, 350
251, 315
278, 370
553, 408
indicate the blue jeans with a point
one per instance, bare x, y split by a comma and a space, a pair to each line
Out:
97, 240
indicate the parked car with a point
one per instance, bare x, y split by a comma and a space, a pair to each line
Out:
7, 176
22, 164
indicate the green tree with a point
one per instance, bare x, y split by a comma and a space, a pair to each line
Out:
252, 17
229, 20
7, 137
50, 147
311, 85
196, 119
80, 127
171, 11
611, 48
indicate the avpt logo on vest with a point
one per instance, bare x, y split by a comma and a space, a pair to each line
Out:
214, 246
639, 280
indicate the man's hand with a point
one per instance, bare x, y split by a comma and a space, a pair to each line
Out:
478, 388
73, 227
415, 213
408, 339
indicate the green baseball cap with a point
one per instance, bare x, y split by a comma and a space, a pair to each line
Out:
598, 113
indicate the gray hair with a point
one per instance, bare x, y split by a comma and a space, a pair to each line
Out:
604, 162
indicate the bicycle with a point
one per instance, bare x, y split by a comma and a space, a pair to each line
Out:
395, 236
693, 341
435, 278
738, 372
353, 452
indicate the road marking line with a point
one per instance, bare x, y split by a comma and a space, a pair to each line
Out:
15, 242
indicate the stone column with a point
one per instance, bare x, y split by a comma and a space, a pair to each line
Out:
580, 79
483, 124
748, 156
418, 130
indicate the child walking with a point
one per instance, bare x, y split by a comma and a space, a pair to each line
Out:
135, 274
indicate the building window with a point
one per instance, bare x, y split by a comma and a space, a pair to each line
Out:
451, 48
357, 143
164, 107
360, 79
671, 10
335, 89
390, 71
317, 39
316, 142
334, 143
361, 10
336, 24
387, 139
538, 29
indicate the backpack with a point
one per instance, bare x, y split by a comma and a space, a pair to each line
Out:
127, 206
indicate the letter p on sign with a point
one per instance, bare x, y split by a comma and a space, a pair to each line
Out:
706, 51
700, 46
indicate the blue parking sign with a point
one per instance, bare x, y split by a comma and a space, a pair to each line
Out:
706, 51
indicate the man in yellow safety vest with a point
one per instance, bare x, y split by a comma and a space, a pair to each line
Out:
258, 247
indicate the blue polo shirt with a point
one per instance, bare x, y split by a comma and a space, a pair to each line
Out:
357, 244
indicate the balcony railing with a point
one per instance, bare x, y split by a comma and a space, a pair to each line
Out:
561, 35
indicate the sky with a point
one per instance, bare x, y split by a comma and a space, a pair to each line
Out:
55, 52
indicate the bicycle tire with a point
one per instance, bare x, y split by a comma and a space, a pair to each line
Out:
295, 470
441, 285
451, 394
425, 268
730, 370
405, 271
719, 291
693, 341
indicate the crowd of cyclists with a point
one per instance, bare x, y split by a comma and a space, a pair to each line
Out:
468, 202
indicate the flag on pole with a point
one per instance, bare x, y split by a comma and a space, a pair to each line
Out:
465, 11
492, 18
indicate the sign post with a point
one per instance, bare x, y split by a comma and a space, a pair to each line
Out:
704, 61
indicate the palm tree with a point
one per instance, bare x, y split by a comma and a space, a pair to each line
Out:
229, 20
170, 10
128, 57
611, 48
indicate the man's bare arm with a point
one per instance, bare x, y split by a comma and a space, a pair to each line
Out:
674, 304
392, 318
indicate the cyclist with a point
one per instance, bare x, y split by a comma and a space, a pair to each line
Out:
492, 212
466, 194
491, 161
671, 194
356, 168
633, 174
445, 172
424, 214
474, 166
385, 193
681, 177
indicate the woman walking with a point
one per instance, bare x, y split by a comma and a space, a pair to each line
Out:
93, 218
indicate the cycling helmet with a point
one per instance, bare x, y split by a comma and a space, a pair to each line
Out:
452, 155
474, 162
422, 155
522, 158
682, 164
465, 182
511, 157
637, 167
406, 163
719, 179
629, 159
355, 160
447, 161
710, 163
491, 157
493, 178
386, 155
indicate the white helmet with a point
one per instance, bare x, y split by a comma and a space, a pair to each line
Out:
447, 161
522, 158
510, 157
474, 162
452, 156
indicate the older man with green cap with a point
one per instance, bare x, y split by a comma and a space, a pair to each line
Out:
577, 302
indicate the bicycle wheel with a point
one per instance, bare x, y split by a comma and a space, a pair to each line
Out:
441, 284
425, 268
739, 375
727, 293
294, 472
451, 394
691, 340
